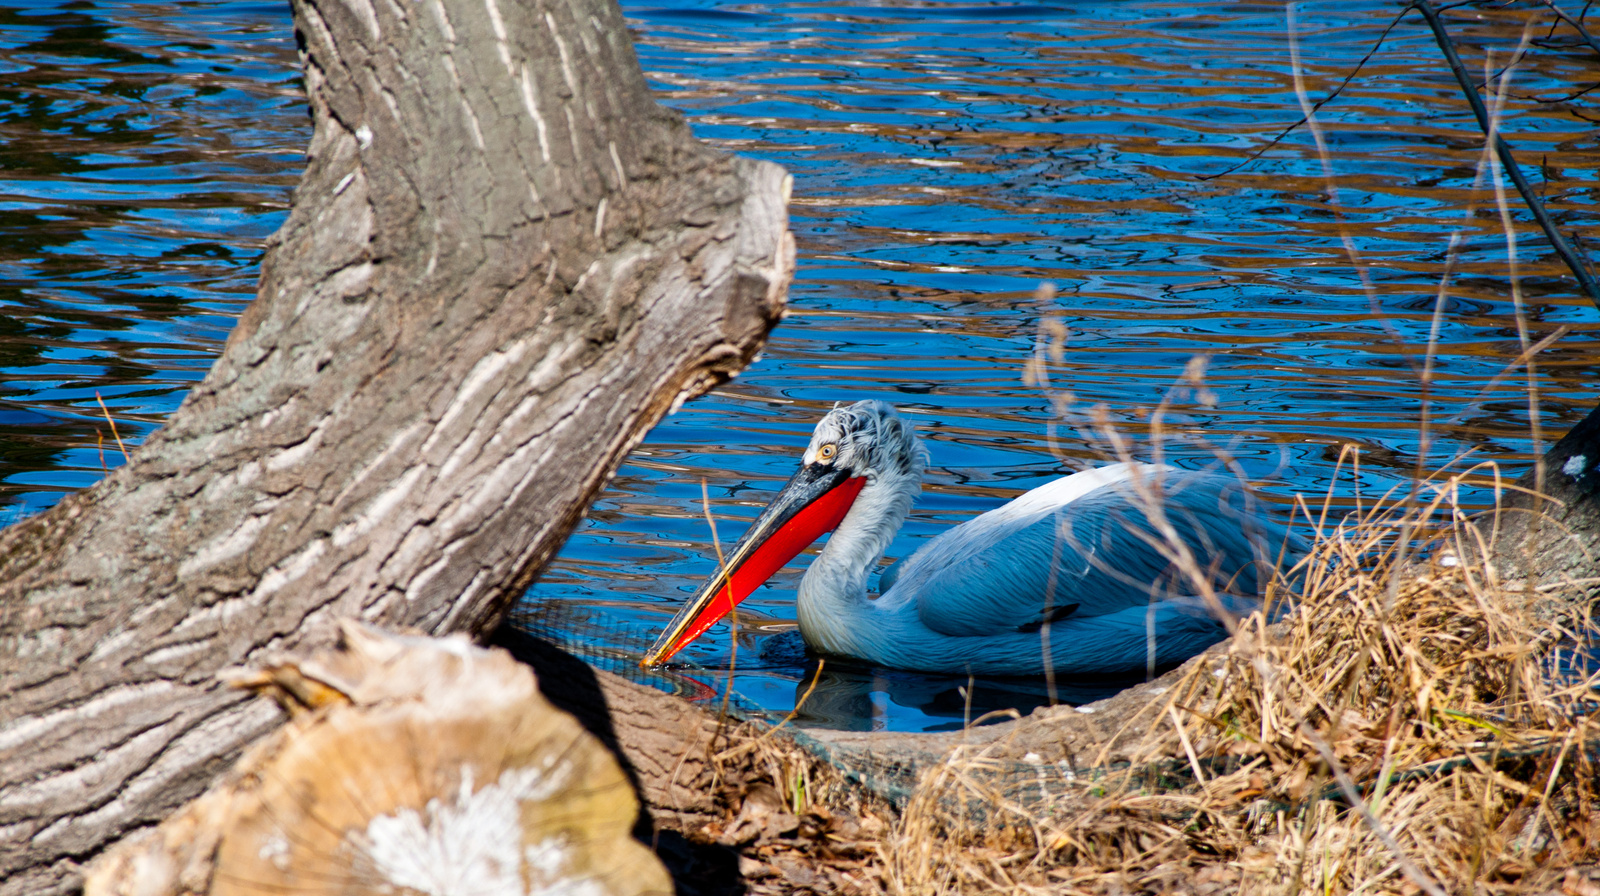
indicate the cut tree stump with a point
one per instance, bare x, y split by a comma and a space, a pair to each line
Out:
409, 764
504, 263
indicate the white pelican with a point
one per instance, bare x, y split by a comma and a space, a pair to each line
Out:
1075, 574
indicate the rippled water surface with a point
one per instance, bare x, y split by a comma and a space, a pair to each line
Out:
146, 152
947, 158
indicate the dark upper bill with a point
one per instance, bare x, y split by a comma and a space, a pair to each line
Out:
812, 503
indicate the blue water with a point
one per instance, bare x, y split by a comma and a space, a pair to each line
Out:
146, 152
950, 156
947, 158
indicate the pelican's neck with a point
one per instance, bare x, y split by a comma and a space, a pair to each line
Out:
833, 592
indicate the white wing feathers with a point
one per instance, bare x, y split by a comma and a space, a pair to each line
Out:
1093, 540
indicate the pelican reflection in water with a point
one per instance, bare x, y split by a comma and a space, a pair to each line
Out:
1077, 575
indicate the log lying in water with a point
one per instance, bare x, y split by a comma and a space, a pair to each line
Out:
503, 265
409, 763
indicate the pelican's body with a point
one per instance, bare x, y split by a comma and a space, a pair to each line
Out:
1076, 577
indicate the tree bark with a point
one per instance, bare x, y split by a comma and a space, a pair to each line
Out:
504, 263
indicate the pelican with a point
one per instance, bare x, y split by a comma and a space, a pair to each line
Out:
1077, 577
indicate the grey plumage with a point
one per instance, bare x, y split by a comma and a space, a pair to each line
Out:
1076, 575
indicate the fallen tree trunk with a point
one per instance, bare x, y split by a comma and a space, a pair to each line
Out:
504, 263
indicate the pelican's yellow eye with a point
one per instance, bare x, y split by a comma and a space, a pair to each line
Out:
826, 453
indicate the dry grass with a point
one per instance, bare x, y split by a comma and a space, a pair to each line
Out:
1397, 733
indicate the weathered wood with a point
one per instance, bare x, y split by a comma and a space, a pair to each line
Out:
410, 764
504, 263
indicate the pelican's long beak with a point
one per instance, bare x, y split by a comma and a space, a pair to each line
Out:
815, 501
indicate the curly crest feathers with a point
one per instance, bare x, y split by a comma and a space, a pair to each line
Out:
872, 440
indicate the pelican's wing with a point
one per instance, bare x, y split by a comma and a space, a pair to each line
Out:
1092, 556
887, 577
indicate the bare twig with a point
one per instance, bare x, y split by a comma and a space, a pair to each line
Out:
1577, 25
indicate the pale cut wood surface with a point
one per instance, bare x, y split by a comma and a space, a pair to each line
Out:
410, 764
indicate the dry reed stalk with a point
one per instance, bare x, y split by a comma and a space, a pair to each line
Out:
114, 434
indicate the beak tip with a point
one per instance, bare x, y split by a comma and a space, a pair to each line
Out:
653, 657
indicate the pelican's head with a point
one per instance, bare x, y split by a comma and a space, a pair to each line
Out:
868, 439
851, 446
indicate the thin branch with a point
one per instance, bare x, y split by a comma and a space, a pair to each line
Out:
1577, 25
1256, 154
1509, 161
